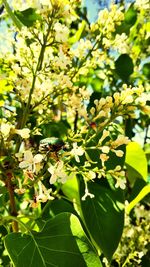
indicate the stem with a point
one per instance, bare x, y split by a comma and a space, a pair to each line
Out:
25, 116
75, 121
15, 20
126, 261
38, 68
146, 135
12, 201
47, 205
10, 218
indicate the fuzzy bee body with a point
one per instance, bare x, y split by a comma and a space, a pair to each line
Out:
51, 144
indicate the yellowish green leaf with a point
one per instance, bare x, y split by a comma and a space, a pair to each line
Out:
78, 34
145, 190
5, 86
135, 158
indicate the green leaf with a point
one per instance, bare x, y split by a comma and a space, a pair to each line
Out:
145, 191
131, 16
146, 70
28, 16
78, 33
97, 84
70, 189
57, 206
123, 27
133, 175
124, 66
57, 129
61, 242
103, 216
135, 158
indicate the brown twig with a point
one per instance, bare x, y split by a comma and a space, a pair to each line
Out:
12, 200
75, 121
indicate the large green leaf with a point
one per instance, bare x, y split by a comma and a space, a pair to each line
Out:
136, 159
57, 206
61, 243
70, 189
103, 216
131, 16
124, 66
57, 129
28, 16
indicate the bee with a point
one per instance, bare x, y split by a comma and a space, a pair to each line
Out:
52, 145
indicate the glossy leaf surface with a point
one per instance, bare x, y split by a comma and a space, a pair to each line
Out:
136, 159
61, 243
104, 217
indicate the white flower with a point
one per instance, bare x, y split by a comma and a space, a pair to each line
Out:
142, 4
45, 2
87, 194
62, 32
77, 151
104, 135
58, 173
90, 175
31, 163
103, 158
5, 129
128, 99
44, 193
105, 149
24, 133
119, 153
121, 140
121, 182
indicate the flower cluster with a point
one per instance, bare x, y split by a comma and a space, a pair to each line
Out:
135, 240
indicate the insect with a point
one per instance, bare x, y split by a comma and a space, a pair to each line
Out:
51, 144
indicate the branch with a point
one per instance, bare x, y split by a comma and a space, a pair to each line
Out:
12, 201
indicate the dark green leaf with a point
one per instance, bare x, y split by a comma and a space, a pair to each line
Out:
114, 160
28, 16
58, 206
57, 129
61, 243
132, 174
94, 95
104, 216
129, 21
124, 66
131, 16
138, 186
146, 70
124, 27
